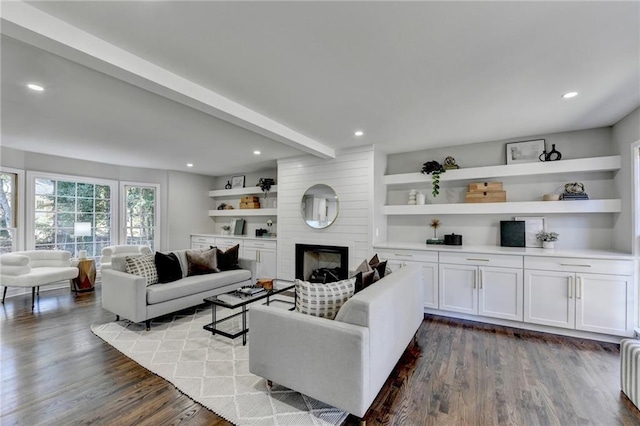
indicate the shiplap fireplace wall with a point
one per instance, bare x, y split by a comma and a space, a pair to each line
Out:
350, 174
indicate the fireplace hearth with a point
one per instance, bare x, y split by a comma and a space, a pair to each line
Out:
321, 263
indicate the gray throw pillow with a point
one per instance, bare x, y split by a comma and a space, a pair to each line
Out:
202, 262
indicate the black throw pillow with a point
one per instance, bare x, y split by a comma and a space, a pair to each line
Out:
228, 260
168, 267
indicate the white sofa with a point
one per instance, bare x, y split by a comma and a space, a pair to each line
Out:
346, 361
128, 295
34, 268
110, 252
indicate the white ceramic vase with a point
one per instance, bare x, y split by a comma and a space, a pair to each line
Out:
548, 244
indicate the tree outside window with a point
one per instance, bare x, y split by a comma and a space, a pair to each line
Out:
8, 224
140, 215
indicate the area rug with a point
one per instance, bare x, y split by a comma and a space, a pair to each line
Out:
214, 370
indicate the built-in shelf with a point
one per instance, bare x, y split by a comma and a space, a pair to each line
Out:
524, 207
594, 164
252, 190
243, 212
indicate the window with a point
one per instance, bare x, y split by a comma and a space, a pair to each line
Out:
8, 212
63, 206
140, 214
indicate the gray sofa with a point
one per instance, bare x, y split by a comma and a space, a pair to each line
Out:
128, 295
342, 362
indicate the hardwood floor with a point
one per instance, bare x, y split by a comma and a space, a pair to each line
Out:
55, 371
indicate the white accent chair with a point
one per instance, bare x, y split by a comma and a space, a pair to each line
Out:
110, 252
34, 268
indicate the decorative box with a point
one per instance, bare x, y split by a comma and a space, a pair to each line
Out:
486, 192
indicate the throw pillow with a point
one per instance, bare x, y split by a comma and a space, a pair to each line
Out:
202, 262
380, 266
365, 279
143, 266
228, 260
168, 267
323, 300
364, 267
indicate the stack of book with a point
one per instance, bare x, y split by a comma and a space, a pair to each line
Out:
568, 196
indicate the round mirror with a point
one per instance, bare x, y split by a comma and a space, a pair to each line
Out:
319, 206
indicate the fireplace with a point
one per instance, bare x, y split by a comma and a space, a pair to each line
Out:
318, 263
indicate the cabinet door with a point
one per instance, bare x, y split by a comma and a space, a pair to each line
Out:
458, 288
604, 304
549, 298
500, 293
430, 277
267, 264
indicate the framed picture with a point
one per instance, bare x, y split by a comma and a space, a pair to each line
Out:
524, 152
532, 226
237, 182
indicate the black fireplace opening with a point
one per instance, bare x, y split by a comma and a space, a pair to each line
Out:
321, 263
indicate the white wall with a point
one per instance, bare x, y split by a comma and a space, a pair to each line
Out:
350, 174
184, 201
188, 204
576, 231
625, 133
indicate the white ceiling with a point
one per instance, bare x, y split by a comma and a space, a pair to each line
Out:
412, 75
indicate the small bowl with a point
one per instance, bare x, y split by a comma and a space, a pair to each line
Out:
551, 197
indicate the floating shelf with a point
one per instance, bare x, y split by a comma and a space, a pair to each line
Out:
252, 190
594, 164
243, 212
524, 207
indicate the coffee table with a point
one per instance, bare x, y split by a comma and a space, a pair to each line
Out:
235, 299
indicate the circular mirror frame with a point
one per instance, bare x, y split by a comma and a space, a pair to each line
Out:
328, 193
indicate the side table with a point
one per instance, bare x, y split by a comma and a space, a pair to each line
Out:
86, 276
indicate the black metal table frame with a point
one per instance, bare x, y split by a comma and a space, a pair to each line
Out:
245, 330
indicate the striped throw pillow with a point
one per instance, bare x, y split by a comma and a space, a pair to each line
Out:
145, 266
323, 300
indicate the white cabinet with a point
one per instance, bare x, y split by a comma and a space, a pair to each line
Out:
200, 242
224, 243
559, 292
491, 291
428, 262
264, 253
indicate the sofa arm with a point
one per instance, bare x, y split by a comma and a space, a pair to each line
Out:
321, 358
250, 265
124, 294
11, 259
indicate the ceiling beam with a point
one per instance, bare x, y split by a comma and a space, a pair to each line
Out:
32, 26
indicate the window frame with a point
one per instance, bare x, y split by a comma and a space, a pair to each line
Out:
20, 204
123, 211
31, 194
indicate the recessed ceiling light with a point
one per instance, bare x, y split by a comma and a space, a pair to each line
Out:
569, 95
35, 87
358, 133
189, 164
256, 152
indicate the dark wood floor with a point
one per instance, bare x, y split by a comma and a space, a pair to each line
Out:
54, 371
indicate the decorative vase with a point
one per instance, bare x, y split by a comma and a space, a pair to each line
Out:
548, 244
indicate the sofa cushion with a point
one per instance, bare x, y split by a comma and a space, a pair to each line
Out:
168, 267
40, 276
228, 260
194, 284
143, 266
202, 262
323, 300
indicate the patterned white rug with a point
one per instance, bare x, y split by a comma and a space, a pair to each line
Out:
214, 371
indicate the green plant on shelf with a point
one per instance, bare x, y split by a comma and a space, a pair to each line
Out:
547, 236
435, 169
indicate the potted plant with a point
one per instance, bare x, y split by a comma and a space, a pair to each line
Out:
226, 229
434, 169
548, 238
